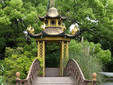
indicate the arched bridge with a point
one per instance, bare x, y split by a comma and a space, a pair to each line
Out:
72, 76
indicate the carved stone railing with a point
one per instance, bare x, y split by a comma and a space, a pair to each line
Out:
33, 73
73, 70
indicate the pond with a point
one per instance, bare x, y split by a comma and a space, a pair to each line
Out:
107, 83
108, 74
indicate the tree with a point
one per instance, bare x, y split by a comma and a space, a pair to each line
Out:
90, 57
15, 16
94, 18
18, 60
89, 48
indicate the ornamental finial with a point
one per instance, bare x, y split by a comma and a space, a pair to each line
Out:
30, 29
94, 75
18, 75
52, 3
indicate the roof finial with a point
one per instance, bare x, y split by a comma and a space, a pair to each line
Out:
52, 3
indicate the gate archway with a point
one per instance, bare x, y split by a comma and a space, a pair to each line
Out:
53, 31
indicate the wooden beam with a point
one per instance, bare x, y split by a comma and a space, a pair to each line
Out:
53, 39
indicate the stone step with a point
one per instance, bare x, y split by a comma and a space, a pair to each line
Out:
52, 72
53, 81
53, 84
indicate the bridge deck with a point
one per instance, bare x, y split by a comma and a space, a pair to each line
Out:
52, 72
53, 81
73, 73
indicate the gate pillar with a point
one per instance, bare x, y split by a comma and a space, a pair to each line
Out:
63, 54
41, 53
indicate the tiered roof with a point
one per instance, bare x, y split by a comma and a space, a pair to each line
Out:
53, 30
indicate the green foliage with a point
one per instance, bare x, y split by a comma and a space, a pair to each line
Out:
109, 66
41, 65
87, 54
30, 50
94, 18
91, 49
41, 61
52, 58
18, 60
15, 16
104, 56
2, 82
2, 71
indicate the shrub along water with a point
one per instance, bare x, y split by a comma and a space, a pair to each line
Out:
18, 60
87, 55
2, 70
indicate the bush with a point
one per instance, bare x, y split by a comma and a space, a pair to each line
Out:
18, 60
2, 82
89, 48
88, 57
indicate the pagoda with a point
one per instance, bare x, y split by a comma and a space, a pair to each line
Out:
53, 31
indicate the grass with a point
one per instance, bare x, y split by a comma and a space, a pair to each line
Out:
87, 62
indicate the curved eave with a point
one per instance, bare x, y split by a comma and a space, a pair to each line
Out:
35, 35
41, 18
55, 35
72, 36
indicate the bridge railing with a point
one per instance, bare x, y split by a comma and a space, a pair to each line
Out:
33, 73
73, 70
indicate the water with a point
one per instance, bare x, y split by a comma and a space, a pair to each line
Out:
107, 83
108, 74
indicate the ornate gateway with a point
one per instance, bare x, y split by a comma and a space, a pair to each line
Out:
53, 30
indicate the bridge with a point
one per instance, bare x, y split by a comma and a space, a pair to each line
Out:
53, 31
72, 76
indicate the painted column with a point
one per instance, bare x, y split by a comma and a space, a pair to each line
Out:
63, 55
67, 51
41, 53
61, 58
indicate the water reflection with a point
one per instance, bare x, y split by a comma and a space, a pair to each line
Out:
108, 74
107, 83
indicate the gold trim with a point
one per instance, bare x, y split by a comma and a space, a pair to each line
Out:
43, 58
67, 51
57, 25
41, 53
53, 39
57, 22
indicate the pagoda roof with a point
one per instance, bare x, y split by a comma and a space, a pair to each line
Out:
48, 17
52, 13
52, 34
53, 31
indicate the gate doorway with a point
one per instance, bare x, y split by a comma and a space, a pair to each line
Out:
52, 55
52, 60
